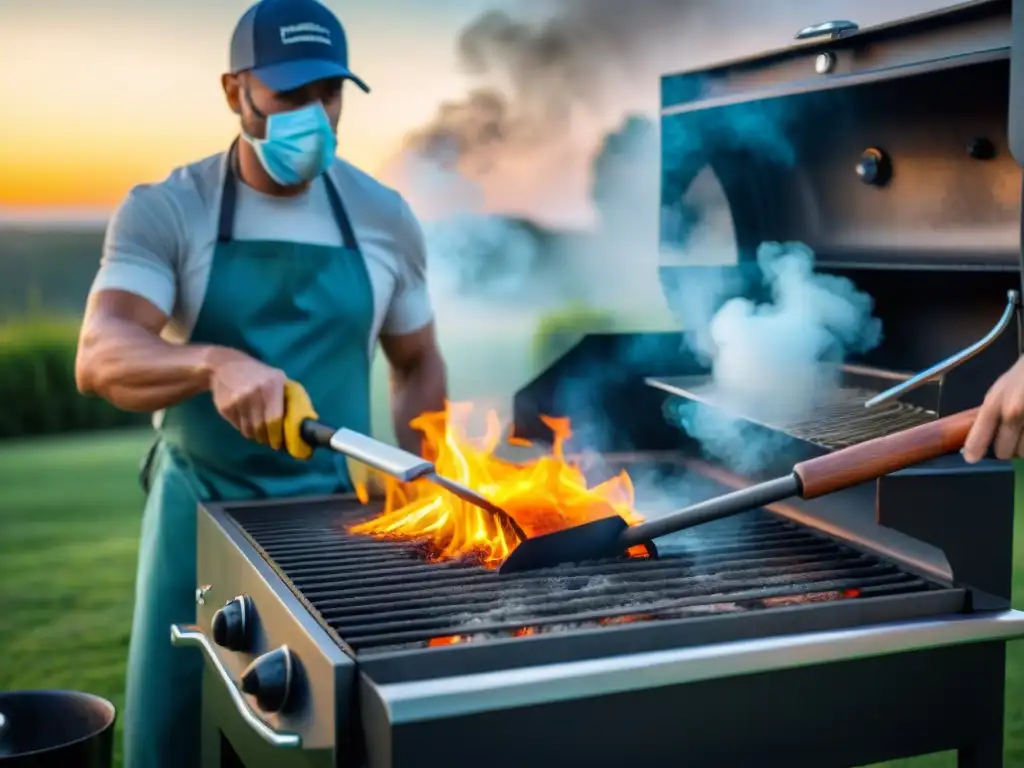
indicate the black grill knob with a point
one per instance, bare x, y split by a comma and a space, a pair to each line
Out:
874, 167
269, 679
232, 624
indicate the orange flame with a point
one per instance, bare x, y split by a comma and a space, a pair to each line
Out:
542, 496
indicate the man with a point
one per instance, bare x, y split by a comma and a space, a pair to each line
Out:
1000, 422
237, 297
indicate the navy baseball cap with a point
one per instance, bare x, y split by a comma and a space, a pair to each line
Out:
290, 43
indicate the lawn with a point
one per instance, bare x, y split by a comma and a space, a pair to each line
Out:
69, 519
70, 511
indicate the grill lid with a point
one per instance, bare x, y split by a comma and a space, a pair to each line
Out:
892, 165
848, 160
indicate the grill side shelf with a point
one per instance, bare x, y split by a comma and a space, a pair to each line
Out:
838, 422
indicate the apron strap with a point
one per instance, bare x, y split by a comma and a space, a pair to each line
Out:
229, 200
348, 236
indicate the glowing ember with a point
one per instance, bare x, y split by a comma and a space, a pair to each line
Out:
543, 495
811, 597
437, 642
628, 619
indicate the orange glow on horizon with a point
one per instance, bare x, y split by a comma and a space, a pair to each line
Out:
102, 181
98, 182
121, 97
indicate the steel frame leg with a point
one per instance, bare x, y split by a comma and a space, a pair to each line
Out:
988, 754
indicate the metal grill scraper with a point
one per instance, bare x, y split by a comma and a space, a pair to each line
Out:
401, 465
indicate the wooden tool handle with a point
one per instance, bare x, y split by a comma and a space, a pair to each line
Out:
875, 458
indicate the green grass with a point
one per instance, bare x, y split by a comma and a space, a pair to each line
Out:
70, 513
69, 520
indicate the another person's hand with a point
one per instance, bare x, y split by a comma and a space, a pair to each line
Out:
251, 396
1000, 422
297, 408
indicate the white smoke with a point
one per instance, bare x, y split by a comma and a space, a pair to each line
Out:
785, 353
473, 254
548, 87
779, 360
492, 173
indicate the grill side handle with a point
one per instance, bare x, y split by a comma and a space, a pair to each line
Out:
875, 458
940, 369
192, 635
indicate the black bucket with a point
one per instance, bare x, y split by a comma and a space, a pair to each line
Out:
56, 729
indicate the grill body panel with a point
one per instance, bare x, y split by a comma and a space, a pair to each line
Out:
891, 707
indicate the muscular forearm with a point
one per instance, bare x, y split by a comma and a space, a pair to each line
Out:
418, 389
136, 370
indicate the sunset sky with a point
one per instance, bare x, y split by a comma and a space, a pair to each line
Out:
98, 97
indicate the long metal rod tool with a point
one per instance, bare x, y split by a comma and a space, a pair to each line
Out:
401, 465
961, 357
820, 476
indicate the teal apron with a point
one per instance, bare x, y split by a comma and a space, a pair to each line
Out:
305, 309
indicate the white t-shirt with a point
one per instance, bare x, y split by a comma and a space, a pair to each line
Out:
159, 243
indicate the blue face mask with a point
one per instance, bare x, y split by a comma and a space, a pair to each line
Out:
299, 145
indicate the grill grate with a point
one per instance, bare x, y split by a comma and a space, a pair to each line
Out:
843, 420
837, 422
381, 595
